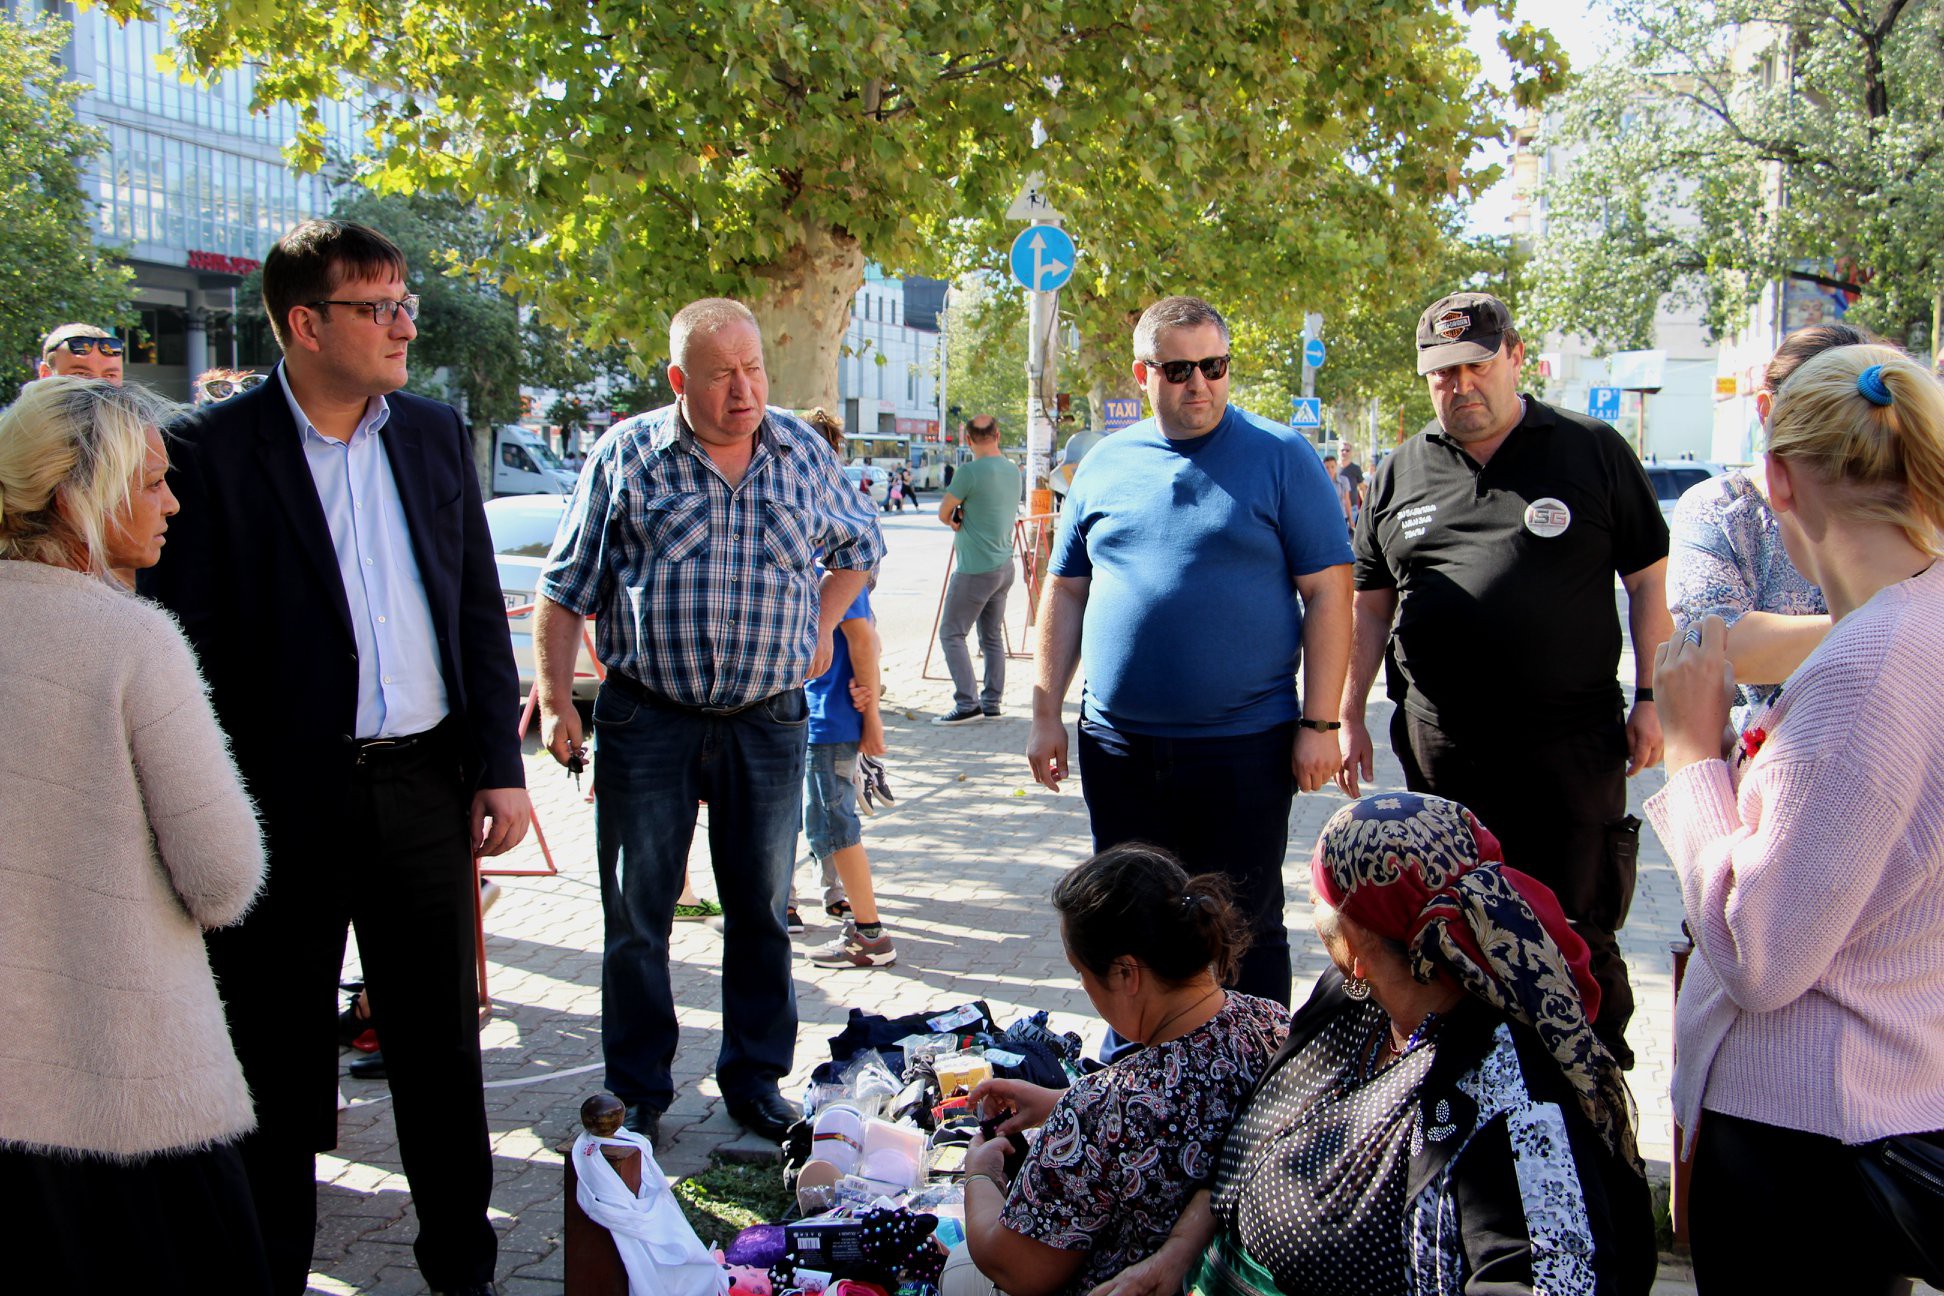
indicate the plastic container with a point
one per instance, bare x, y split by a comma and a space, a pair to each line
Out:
838, 1136
961, 1072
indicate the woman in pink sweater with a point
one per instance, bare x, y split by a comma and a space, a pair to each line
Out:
1811, 852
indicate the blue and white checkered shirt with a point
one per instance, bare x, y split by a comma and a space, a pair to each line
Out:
704, 592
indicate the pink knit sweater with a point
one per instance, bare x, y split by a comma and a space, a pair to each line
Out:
1815, 890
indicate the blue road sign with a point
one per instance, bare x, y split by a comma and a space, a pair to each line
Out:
1305, 411
1042, 258
1313, 353
1122, 411
1603, 403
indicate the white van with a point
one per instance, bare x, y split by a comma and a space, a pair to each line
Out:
523, 465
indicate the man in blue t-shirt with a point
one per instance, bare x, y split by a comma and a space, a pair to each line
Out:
1201, 558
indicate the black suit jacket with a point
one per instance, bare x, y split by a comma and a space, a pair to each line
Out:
250, 571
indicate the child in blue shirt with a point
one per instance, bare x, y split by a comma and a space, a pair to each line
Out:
843, 723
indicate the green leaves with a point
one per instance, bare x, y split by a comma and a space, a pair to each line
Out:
52, 271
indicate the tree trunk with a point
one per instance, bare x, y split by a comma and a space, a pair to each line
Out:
804, 315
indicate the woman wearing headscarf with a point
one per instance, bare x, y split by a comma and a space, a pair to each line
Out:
1810, 849
1442, 1118
124, 833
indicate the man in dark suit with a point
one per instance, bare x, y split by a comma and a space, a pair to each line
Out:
333, 568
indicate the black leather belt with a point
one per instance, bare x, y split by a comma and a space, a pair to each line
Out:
366, 750
630, 687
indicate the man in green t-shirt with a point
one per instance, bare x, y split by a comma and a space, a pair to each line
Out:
980, 506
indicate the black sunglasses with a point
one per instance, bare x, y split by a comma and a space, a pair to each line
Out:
83, 345
221, 389
1177, 371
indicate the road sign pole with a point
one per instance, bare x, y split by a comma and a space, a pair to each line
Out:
1312, 328
1042, 363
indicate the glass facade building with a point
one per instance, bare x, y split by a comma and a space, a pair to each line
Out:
192, 186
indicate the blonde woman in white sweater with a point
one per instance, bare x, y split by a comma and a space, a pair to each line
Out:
124, 833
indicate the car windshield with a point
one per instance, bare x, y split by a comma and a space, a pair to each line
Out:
524, 532
1672, 483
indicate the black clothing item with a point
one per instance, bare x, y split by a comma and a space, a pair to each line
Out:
1558, 805
397, 865
380, 841
177, 1224
1484, 1198
1779, 1210
1312, 1175
1505, 573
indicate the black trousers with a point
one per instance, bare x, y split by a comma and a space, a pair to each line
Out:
394, 862
1780, 1210
1219, 805
173, 1224
1558, 805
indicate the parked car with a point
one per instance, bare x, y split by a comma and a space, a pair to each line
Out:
523, 527
1673, 480
873, 475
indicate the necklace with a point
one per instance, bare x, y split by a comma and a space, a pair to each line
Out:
1384, 1048
1154, 1036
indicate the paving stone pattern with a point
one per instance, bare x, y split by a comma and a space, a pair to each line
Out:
964, 864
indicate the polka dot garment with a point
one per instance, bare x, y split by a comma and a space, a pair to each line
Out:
1312, 1180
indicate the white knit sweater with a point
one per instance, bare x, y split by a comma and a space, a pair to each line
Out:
124, 832
1814, 886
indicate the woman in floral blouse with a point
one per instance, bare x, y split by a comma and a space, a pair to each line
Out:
1120, 1153
1726, 557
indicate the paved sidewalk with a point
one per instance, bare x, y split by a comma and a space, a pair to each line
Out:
964, 865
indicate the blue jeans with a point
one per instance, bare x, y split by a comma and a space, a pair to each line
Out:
657, 760
830, 799
1220, 805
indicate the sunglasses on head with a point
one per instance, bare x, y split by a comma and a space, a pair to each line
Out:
1177, 371
224, 388
83, 345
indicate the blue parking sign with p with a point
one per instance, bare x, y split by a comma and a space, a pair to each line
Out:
1603, 403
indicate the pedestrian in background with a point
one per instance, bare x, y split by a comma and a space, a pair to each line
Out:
1726, 557
692, 539
1201, 564
1486, 553
127, 833
1342, 485
333, 569
1811, 1022
980, 505
82, 351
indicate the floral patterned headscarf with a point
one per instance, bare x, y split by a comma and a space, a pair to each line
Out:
1422, 871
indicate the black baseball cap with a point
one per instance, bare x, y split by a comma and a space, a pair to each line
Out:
1464, 328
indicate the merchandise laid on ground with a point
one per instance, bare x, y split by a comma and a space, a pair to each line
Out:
876, 1164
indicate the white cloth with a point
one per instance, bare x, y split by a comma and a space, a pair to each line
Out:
662, 1254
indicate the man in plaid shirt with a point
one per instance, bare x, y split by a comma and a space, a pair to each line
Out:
692, 540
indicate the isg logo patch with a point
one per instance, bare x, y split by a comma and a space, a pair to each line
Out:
1548, 517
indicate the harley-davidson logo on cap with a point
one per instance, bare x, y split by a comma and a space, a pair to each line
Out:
1452, 325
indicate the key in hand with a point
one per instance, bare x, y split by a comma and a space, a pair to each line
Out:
575, 764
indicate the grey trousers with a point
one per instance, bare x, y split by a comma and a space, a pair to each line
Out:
979, 598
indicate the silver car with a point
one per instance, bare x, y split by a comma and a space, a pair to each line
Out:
523, 528
1673, 479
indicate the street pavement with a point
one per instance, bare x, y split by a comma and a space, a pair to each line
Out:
964, 865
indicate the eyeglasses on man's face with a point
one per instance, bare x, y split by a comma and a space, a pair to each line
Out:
1177, 371
83, 345
382, 312
221, 389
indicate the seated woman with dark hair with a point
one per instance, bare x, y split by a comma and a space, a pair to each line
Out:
1442, 1118
1120, 1152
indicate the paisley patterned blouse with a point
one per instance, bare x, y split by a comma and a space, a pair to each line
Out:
1126, 1147
1726, 557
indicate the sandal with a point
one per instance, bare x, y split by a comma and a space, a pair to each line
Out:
841, 910
697, 912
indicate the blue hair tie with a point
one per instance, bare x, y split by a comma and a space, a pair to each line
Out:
1870, 385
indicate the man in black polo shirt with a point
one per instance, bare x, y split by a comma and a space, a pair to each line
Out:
1486, 553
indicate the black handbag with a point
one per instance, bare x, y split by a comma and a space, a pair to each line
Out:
1903, 1179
